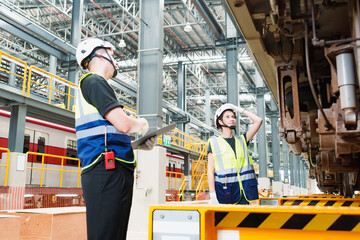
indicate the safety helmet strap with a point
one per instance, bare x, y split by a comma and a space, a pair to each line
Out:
94, 54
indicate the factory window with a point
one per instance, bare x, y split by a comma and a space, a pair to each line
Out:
26, 143
71, 152
40, 148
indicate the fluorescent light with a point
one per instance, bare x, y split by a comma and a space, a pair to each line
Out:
188, 28
122, 43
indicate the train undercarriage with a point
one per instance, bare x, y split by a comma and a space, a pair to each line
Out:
314, 48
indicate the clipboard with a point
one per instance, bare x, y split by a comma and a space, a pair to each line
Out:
135, 144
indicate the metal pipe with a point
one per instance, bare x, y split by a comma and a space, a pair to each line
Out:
346, 82
321, 42
327, 123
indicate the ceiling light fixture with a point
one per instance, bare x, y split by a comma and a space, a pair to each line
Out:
122, 43
188, 27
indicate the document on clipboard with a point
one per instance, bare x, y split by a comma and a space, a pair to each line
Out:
135, 144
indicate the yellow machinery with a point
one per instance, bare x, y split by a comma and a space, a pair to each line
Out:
309, 201
235, 222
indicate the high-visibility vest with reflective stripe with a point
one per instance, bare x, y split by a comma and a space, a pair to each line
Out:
234, 173
90, 134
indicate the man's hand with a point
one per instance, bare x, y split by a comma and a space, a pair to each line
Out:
213, 198
148, 144
145, 127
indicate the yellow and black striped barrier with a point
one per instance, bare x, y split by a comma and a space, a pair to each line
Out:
237, 222
326, 202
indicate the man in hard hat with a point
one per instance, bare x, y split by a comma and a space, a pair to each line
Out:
103, 146
231, 174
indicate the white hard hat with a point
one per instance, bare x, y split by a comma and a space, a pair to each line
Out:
223, 108
86, 47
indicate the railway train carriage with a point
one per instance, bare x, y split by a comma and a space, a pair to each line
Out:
55, 139
309, 54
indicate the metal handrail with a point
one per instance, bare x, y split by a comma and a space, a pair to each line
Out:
176, 174
43, 155
68, 85
7, 164
199, 166
17, 75
201, 185
185, 140
182, 188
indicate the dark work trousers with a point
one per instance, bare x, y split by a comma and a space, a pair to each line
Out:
108, 197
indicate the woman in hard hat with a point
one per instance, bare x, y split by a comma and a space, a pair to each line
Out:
231, 174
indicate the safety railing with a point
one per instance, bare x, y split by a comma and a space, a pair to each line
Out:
62, 158
182, 189
7, 60
57, 91
203, 185
185, 140
50, 86
199, 167
6, 165
175, 179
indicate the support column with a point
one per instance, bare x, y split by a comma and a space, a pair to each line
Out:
264, 181
12, 77
181, 92
285, 151
17, 128
297, 174
231, 68
292, 174
150, 66
52, 70
275, 146
75, 39
303, 178
207, 108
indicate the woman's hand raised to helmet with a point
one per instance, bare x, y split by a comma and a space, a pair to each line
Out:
236, 108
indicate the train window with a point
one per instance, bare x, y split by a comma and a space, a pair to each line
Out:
182, 168
71, 152
40, 148
26, 143
174, 170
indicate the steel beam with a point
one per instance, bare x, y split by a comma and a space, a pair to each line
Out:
24, 28
232, 85
209, 18
181, 91
261, 135
285, 151
150, 67
292, 171
275, 144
